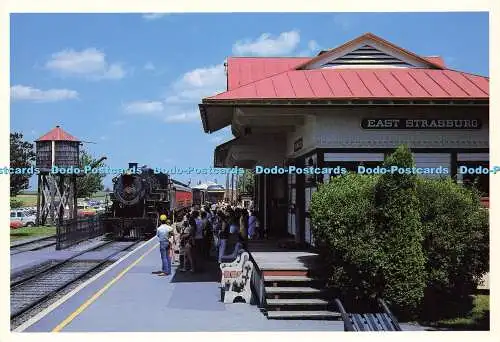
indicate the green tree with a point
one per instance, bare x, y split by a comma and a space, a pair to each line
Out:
246, 182
400, 229
22, 155
91, 182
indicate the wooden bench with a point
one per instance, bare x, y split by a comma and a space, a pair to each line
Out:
378, 321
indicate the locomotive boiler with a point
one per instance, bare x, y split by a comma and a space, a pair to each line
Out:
138, 199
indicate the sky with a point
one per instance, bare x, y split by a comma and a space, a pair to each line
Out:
129, 84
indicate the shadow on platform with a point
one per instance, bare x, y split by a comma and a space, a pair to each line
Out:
209, 272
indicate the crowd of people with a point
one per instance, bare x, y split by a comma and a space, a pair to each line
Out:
209, 232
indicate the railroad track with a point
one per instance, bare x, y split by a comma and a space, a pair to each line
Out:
29, 291
33, 245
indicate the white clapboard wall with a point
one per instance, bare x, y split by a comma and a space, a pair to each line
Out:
433, 160
350, 157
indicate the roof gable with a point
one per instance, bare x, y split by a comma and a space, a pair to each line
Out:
369, 50
57, 134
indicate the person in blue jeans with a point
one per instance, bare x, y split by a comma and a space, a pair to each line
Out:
163, 232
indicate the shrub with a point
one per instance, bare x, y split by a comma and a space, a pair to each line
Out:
400, 234
344, 231
15, 203
456, 243
420, 243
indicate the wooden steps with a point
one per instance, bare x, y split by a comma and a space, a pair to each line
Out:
296, 297
296, 301
292, 285
276, 279
278, 290
327, 315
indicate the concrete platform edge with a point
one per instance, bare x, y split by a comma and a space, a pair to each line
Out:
55, 305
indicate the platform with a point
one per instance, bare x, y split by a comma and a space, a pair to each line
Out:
128, 298
140, 301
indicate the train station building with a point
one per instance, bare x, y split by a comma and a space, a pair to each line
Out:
347, 106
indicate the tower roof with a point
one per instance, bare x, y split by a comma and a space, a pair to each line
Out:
57, 134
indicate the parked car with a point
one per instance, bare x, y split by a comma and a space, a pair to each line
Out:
26, 218
85, 210
14, 224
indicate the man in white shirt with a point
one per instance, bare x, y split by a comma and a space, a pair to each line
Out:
164, 233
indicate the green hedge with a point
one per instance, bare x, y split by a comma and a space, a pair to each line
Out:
456, 230
15, 203
346, 234
417, 242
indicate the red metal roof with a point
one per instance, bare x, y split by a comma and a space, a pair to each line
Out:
57, 134
437, 60
244, 70
393, 83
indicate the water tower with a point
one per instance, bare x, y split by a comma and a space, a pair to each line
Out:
56, 191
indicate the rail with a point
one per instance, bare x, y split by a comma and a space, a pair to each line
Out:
31, 290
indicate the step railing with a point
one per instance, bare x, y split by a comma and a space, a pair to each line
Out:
383, 320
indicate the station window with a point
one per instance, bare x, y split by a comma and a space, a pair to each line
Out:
350, 166
468, 175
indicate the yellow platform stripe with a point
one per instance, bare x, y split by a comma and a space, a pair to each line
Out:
92, 299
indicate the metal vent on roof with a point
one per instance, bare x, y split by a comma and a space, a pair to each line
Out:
367, 55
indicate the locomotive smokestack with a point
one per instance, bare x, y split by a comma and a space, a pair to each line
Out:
132, 165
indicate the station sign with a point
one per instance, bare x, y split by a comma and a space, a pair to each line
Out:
404, 123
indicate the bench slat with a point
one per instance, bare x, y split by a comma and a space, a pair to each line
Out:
387, 322
372, 323
358, 322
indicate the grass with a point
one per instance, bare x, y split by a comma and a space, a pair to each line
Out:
31, 232
477, 319
29, 199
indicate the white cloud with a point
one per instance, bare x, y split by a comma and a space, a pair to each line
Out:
143, 107
153, 16
90, 63
312, 49
196, 84
266, 45
149, 66
27, 93
313, 45
190, 116
181, 102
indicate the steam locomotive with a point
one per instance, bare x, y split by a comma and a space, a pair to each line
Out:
139, 197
